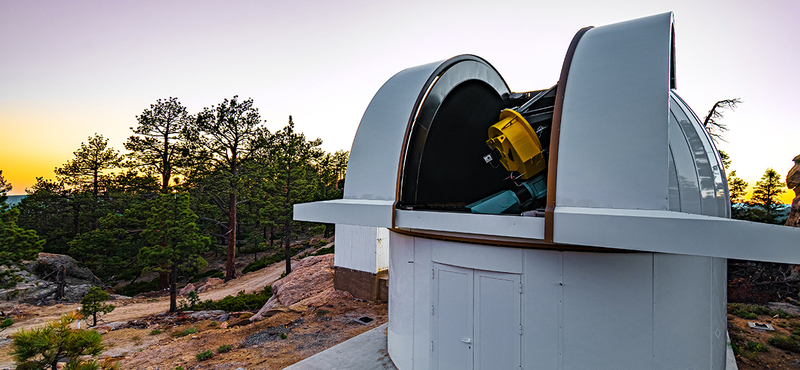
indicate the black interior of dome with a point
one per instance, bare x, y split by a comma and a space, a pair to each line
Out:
451, 171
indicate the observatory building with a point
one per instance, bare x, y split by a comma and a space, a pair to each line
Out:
581, 226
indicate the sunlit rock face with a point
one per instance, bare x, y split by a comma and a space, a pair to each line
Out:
793, 182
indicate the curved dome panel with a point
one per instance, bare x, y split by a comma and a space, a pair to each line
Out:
696, 180
400, 125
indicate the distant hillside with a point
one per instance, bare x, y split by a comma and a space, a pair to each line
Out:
14, 199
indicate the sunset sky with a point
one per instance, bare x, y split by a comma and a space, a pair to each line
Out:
69, 69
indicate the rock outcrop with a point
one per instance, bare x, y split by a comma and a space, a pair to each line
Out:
309, 285
46, 277
793, 182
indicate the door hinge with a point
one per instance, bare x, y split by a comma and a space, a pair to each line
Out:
520, 329
520, 287
431, 345
431, 309
431, 273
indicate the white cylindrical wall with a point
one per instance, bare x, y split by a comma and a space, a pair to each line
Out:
579, 310
400, 341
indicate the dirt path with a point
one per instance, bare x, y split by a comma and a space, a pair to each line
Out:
132, 308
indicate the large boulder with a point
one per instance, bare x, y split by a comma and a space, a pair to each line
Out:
38, 281
48, 264
793, 182
309, 284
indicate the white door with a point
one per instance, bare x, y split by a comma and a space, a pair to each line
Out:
451, 312
475, 319
497, 320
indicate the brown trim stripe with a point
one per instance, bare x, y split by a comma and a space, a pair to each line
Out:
555, 131
461, 238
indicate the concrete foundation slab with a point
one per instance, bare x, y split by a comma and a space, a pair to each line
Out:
364, 352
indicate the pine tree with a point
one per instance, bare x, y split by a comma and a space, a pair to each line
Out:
92, 304
767, 194
16, 243
295, 179
716, 129
42, 347
231, 134
159, 144
85, 171
737, 188
175, 240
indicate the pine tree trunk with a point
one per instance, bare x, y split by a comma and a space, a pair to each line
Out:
163, 280
165, 165
288, 225
173, 288
229, 264
61, 283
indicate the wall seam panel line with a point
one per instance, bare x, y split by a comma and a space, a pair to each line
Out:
653, 310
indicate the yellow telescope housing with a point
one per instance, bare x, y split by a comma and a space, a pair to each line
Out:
519, 147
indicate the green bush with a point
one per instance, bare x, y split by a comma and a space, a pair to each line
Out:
240, 302
323, 251
139, 287
210, 273
749, 311
784, 342
183, 333
8, 321
757, 347
156, 331
92, 304
268, 260
782, 314
202, 356
224, 348
284, 336
243, 302
43, 347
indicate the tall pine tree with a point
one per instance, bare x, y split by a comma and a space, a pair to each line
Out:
175, 241
231, 134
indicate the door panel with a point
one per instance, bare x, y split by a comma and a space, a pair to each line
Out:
452, 318
475, 320
497, 320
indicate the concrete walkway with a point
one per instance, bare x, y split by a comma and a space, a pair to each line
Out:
368, 352
364, 352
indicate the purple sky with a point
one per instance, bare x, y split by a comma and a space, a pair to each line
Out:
70, 69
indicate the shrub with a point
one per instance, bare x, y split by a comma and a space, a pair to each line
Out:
8, 321
323, 251
183, 333
139, 287
43, 346
156, 332
284, 336
210, 273
202, 356
749, 311
757, 347
224, 348
193, 298
92, 303
240, 302
784, 342
268, 260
